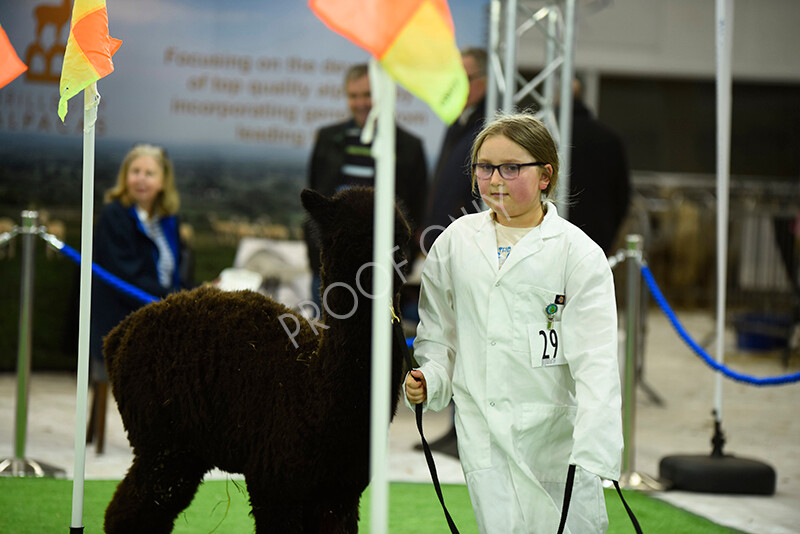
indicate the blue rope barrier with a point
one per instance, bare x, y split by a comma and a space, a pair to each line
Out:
109, 278
662, 302
146, 298
123, 286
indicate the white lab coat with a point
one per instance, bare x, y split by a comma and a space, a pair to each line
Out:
530, 399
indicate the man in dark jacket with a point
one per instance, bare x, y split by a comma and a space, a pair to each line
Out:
599, 177
451, 192
339, 160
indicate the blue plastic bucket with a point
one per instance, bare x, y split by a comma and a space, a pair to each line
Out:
762, 331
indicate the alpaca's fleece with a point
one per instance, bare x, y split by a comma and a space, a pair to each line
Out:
207, 379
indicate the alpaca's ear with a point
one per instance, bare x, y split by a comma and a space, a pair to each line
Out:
318, 206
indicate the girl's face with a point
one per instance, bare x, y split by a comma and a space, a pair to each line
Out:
516, 202
145, 180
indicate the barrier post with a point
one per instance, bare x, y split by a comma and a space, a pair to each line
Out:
29, 220
630, 479
18, 466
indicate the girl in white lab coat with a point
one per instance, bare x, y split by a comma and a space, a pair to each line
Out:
518, 325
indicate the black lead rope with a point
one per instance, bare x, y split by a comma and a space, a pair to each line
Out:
568, 497
432, 469
400, 341
636, 526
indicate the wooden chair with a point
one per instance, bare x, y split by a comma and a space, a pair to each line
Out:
96, 429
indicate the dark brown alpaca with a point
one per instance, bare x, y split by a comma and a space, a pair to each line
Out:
209, 379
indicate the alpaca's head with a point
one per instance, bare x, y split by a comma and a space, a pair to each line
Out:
344, 226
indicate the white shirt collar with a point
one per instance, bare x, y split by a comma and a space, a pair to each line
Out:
144, 216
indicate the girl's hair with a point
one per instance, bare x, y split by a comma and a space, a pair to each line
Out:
528, 132
167, 202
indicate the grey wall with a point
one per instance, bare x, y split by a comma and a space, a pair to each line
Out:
677, 38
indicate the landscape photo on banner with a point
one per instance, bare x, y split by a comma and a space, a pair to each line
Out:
234, 91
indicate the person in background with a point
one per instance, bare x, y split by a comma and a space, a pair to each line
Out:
137, 239
451, 194
340, 160
600, 183
518, 326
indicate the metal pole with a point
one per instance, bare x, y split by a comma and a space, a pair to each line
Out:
510, 55
29, 220
724, 24
384, 98
90, 103
492, 70
551, 51
633, 288
630, 478
19, 466
565, 107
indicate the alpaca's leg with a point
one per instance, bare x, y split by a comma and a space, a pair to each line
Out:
156, 489
339, 516
272, 510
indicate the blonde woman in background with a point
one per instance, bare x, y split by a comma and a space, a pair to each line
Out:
137, 239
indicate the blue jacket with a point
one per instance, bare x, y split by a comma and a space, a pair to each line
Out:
122, 247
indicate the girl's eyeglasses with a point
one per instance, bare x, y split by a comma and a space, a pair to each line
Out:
508, 171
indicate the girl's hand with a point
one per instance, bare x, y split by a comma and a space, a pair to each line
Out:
416, 387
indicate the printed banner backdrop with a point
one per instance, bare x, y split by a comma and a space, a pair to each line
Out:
234, 90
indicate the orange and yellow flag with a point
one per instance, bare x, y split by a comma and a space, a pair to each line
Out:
89, 50
10, 64
413, 39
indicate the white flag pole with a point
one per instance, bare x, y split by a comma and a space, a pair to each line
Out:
720, 472
724, 25
91, 99
383, 93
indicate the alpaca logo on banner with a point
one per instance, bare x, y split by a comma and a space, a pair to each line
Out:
40, 60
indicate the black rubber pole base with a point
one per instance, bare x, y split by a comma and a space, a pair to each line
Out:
717, 474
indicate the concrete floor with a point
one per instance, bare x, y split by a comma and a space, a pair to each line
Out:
761, 423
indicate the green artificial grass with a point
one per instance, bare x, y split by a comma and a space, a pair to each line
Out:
37, 505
